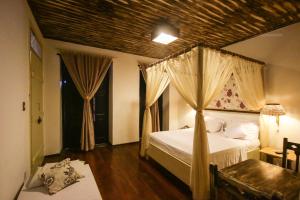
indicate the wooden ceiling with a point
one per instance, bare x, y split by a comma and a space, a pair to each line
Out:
126, 25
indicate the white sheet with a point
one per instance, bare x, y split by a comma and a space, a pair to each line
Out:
223, 151
85, 189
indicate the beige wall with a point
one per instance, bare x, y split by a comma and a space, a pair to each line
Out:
280, 50
177, 113
124, 97
15, 22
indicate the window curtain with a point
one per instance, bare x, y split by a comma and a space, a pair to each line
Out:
199, 76
249, 79
87, 73
156, 82
154, 109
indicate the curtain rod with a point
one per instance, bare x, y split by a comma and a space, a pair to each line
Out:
205, 46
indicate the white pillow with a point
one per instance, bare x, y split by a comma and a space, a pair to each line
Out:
251, 130
36, 181
235, 132
242, 130
213, 125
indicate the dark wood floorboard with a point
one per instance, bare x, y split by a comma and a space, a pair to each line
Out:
121, 174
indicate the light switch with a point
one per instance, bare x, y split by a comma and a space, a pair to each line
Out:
23, 106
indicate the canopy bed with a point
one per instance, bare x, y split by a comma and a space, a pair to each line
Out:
199, 75
173, 149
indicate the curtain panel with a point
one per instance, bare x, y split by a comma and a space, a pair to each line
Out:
215, 70
154, 109
183, 72
87, 73
156, 82
199, 76
249, 79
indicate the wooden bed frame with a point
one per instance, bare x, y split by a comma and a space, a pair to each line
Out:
178, 167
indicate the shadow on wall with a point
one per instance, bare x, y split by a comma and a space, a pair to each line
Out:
283, 86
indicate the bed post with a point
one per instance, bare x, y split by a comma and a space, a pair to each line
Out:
213, 169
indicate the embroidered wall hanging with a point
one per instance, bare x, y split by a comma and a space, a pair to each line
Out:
229, 98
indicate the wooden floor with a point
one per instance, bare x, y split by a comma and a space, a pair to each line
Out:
121, 174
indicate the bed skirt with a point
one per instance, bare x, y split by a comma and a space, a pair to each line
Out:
179, 168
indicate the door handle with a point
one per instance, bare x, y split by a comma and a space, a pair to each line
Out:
39, 120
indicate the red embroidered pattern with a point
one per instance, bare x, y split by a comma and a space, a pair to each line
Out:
229, 99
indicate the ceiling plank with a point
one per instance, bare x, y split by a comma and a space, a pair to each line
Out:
126, 26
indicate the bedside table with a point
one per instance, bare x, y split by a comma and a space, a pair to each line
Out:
269, 155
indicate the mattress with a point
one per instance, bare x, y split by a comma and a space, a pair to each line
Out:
223, 151
85, 189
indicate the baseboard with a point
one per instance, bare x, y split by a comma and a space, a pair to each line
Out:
129, 143
52, 155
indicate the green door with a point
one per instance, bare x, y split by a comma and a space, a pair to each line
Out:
36, 106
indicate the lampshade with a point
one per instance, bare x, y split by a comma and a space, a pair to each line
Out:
273, 109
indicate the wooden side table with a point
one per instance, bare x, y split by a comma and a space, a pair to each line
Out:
269, 155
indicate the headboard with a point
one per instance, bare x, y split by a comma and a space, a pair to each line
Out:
233, 116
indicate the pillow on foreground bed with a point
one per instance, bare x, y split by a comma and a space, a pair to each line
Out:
242, 130
36, 181
59, 176
213, 124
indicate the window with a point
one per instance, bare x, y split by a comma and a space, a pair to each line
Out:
35, 45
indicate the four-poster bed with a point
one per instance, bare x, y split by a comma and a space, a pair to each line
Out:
199, 75
172, 149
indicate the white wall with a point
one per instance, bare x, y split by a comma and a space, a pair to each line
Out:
280, 50
15, 21
124, 99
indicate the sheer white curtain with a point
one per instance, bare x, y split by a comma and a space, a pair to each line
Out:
199, 76
249, 79
156, 82
183, 71
154, 109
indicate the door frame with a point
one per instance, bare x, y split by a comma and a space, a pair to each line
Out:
33, 166
106, 78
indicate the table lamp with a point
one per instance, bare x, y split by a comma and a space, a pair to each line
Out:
273, 109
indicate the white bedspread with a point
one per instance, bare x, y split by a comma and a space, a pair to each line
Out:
85, 189
223, 151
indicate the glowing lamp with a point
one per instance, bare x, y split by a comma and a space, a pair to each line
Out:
164, 33
273, 109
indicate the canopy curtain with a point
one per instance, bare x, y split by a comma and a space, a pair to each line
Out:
156, 82
154, 109
87, 73
249, 79
199, 76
